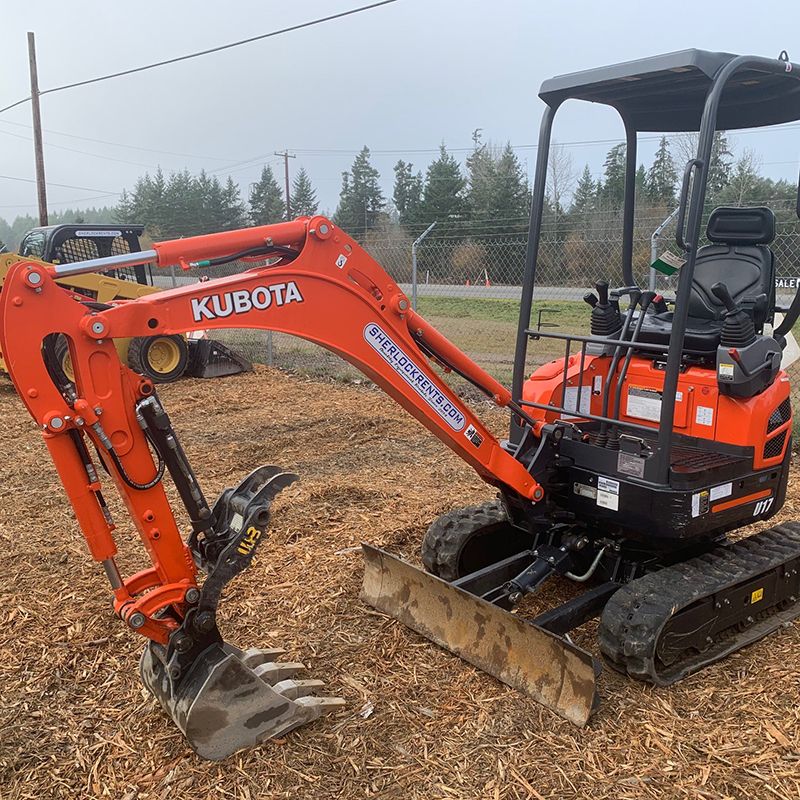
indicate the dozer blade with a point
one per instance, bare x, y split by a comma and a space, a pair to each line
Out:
233, 699
209, 358
538, 663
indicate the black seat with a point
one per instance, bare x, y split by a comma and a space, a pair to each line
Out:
738, 256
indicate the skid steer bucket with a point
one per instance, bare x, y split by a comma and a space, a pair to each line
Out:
209, 358
233, 699
549, 669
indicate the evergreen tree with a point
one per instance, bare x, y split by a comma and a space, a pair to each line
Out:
585, 196
303, 197
481, 178
407, 194
613, 188
266, 199
235, 213
662, 176
509, 193
361, 200
720, 169
641, 183
443, 194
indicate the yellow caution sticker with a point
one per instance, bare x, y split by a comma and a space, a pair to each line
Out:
757, 595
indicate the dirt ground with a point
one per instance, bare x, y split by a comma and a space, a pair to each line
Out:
75, 722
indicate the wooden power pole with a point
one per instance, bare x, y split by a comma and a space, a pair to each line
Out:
286, 156
38, 150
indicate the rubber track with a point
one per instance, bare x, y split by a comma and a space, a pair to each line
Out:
634, 617
447, 534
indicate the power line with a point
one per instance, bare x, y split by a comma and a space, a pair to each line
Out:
61, 202
82, 152
115, 144
60, 185
206, 52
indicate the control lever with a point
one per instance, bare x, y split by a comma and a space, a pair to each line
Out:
602, 292
722, 293
590, 298
660, 304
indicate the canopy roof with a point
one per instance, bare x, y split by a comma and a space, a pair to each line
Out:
667, 92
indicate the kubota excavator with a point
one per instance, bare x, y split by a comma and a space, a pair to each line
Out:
628, 463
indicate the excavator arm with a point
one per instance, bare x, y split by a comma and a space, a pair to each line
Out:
319, 284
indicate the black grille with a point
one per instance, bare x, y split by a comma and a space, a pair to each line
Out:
774, 446
783, 413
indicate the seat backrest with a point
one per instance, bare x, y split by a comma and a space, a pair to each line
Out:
738, 256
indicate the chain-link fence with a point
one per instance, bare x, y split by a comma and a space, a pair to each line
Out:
469, 286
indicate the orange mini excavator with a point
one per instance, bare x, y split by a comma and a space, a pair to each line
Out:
629, 460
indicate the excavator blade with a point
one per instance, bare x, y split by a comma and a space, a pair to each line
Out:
549, 669
233, 699
209, 358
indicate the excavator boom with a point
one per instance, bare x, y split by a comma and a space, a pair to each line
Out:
318, 284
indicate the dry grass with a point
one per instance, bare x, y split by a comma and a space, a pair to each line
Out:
75, 722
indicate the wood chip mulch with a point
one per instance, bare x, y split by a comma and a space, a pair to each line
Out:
76, 723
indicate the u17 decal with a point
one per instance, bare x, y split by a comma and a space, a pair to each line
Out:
762, 506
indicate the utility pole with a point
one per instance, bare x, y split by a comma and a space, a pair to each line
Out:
286, 156
38, 150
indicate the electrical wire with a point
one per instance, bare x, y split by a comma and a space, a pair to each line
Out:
60, 185
208, 51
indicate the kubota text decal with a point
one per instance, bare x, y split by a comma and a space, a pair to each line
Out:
413, 376
243, 300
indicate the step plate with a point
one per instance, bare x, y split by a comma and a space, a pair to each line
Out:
536, 662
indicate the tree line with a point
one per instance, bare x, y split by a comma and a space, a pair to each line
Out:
481, 207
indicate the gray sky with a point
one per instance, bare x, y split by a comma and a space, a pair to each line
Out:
401, 79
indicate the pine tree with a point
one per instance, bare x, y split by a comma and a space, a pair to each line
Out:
124, 211
266, 200
361, 200
407, 194
303, 197
481, 177
443, 194
641, 183
613, 188
509, 193
235, 213
662, 177
721, 167
585, 196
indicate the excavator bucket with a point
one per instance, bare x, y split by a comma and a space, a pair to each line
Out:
233, 699
222, 698
534, 661
209, 358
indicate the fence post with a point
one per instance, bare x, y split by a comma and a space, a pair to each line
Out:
414, 264
654, 247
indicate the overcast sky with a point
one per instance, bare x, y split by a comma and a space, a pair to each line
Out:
401, 79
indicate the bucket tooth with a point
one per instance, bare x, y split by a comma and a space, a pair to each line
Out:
222, 705
274, 671
253, 657
293, 689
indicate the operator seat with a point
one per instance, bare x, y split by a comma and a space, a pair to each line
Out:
740, 257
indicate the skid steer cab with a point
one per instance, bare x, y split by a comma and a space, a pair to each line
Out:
162, 359
629, 460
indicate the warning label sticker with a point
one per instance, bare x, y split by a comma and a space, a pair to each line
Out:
644, 403
704, 415
571, 401
718, 492
700, 503
607, 493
